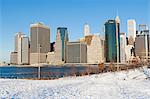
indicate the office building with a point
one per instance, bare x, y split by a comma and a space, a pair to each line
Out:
61, 40
13, 58
40, 43
95, 49
23, 50
131, 25
142, 48
86, 30
122, 48
17, 36
76, 52
21, 53
112, 40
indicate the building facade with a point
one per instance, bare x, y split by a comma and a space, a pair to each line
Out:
50, 58
112, 41
61, 40
131, 25
122, 48
95, 49
40, 42
129, 52
58, 48
21, 53
23, 50
76, 52
142, 48
17, 36
13, 58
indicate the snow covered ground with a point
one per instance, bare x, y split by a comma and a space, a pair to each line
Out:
134, 84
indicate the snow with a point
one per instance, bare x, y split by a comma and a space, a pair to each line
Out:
132, 84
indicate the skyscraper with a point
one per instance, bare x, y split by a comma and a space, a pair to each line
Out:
23, 50
61, 40
131, 31
112, 40
21, 53
142, 41
14, 55
122, 47
86, 30
40, 42
17, 36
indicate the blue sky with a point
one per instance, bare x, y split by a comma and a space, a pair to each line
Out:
17, 15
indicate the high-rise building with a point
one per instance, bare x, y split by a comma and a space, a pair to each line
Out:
112, 40
40, 43
122, 48
86, 30
17, 36
142, 47
131, 31
21, 53
58, 48
76, 52
61, 40
14, 55
95, 49
23, 50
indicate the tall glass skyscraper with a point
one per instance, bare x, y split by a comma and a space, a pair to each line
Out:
112, 38
61, 39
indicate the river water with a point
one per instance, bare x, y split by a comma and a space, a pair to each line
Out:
49, 72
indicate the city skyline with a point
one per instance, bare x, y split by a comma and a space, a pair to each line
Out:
73, 15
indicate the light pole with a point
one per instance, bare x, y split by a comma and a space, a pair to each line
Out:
38, 51
39, 62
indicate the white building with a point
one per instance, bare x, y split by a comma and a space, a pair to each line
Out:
58, 48
86, 30
122, 47
131, 25
95, 49
128, 52
23, 50
17, 36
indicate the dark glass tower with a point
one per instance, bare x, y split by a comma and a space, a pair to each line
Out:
112, 41
64, 38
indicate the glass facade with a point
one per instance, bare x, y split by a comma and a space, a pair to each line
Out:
64, 38
111, 38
